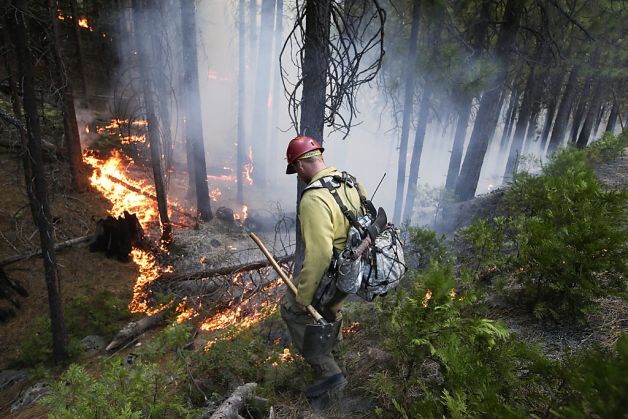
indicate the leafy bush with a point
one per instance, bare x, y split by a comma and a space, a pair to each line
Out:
431, 337
596, 383
101, 314
426, 246
607, 147
144, 389
568, 230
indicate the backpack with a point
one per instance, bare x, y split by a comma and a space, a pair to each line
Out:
372, 271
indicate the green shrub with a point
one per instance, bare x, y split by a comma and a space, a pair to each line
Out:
486, 242
154, 385
568, 231
475, 356
36, 347
595, 384
607, 147
426, 246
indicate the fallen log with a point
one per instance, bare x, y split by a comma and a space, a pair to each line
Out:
135, 329
229, 408
223, 270
58, 246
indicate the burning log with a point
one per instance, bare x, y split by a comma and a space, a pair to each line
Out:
117, 236
230, 407
147, 194
135, 329
58, 246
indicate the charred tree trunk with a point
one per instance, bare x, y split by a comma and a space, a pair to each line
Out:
578, 115
523, 120
36, 187
556, 84
612, 118
562, 116
488, 113
15, 105
151, 117
252, 33
585, 132
72, 137
79, 44
314, 67
262, 91
241, 151
598, 120
193, 126
408, 83
511, 114
464, 111
276, 77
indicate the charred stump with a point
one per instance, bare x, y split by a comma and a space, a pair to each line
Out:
117, 236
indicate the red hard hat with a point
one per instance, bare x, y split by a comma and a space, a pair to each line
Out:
299, 146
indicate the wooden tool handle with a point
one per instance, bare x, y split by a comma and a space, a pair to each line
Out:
317, 316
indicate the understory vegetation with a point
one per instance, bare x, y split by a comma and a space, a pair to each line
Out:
561, 246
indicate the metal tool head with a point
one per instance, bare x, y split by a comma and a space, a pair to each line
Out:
320, 338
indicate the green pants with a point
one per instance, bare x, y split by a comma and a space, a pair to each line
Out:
297, 317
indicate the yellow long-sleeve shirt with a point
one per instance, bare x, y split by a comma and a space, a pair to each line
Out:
323, 226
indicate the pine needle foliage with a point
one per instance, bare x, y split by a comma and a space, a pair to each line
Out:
565, 241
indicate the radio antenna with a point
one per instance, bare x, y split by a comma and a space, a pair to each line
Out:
380, 182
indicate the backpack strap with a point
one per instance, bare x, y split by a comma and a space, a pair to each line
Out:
332, 183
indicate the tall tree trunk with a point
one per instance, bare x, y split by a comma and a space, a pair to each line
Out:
194, 126
556, 84
585, 132
511, 115
153, 123
562, 116
612, 118
36, 187
277, 85
314, 70
79, 44
578, 115
516, 147
598, 120
464, 111
409, 76
417, 151
72, 136
488, 113
262, 91
241, 151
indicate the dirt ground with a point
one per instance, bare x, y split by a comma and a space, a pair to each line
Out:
81, 272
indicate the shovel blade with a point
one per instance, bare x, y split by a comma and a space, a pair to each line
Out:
319, 338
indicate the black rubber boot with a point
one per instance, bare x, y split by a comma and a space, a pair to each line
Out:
326, 391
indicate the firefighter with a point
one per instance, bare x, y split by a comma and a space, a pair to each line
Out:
324, 228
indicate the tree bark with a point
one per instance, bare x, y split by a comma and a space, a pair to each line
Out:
525, 111
612, 118
229, 408
580, 109
262, 92
241, 150
275, 134
151, 117
36, 187
135, 329
193, 126
488, 113
72, 136
511, 115
562, 116
594, 108
464, 111
409, 76
556, 84
314, 70
79, 44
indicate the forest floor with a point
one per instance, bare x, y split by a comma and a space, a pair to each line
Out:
86, 274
